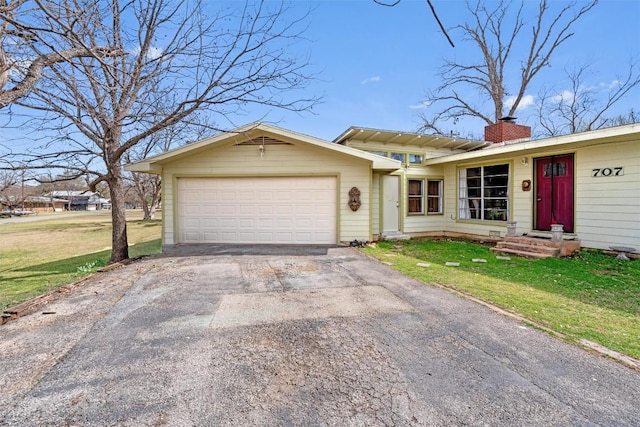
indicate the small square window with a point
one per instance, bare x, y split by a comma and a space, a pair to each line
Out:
399, 156
416, 159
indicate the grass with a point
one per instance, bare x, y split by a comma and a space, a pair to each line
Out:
36, 257
590, 295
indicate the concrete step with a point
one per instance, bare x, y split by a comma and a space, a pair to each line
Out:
536, 247
551, 250
525, 254
533, 241
394, 235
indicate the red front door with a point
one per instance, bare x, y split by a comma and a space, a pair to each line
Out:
554, 191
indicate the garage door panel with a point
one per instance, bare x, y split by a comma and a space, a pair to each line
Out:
210, 223
209, 210
229, 224
244, 223
300, 210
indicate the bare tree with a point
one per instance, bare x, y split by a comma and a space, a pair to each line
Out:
495, 32
8, 180
176, 55
582, 106
27, 48
392, 3
630, 117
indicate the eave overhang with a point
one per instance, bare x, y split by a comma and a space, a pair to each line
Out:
379, 136
626, 133
154, 165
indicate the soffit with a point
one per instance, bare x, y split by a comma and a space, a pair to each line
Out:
408, 139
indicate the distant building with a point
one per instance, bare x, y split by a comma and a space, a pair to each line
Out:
44, 204
77, 200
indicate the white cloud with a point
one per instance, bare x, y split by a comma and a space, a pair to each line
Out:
613, 85
420, 106
526, 102
564, 96
152, 53
374, 79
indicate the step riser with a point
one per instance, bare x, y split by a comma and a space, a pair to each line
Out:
528, 248
522, 253
533, 242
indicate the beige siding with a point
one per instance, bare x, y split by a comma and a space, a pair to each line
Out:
278, 160
608, 208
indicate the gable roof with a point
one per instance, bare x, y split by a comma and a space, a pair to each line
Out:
261, 132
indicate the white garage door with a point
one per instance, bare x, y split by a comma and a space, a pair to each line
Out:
284, 210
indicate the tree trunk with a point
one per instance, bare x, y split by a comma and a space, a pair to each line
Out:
146, 208
119, 243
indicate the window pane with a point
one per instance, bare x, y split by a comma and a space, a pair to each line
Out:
415, 205
399, 156
433, 188
555, 169
496, 170
495, 191
472, 172
415, 187
416, 159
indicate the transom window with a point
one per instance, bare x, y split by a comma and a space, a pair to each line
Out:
405, 158
399, 156
484, 193
416, 159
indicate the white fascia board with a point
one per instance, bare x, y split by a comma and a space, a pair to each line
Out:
583, 139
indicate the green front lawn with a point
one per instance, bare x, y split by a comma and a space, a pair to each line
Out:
590, 295
36, 257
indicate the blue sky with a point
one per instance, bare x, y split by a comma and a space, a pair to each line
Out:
377, 62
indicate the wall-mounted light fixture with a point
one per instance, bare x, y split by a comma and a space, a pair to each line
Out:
524, 161
261, 149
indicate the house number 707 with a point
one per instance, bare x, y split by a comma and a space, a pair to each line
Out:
608, 171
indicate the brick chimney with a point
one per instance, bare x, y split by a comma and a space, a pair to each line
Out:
506, 131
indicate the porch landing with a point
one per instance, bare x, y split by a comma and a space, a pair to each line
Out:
394, 235
536, 247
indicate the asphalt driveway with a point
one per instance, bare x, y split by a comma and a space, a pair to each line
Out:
324, 337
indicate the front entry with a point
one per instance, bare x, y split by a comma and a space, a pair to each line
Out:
390, 204
554, 192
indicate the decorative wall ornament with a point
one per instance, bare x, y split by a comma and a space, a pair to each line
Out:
354, 199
